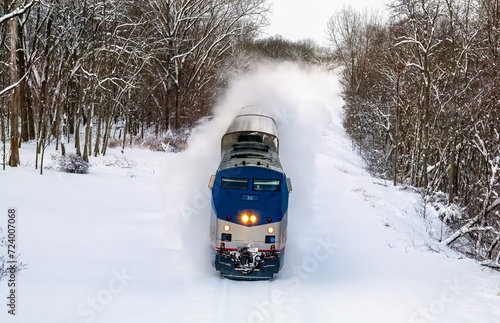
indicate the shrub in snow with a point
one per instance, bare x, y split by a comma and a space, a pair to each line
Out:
6, 268
168, 143
450, 214
121, 162
72, 163
114, 142
3, 267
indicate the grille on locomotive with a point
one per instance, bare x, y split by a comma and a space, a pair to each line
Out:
250, 192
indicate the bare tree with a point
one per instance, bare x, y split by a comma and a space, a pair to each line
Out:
16, 95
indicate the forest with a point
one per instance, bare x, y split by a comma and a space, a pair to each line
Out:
420, 84
80, 69
422, 98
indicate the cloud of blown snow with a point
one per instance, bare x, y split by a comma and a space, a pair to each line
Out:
303, 100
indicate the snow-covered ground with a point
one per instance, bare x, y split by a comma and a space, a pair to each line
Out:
128, 242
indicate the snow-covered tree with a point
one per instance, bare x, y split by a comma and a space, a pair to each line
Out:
425, 112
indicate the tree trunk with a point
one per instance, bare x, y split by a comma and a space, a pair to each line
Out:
56, 130
27, 121
452, 175
41, 159
87, 146
31, 120
3, 137
125, 130
98, 135
177, 109
79, 113
89, 123
426, 126
77, 136
86, 140
105, 136
44, 113
71, 109
16, 96
396, 136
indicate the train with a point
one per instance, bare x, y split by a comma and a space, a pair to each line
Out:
249, 199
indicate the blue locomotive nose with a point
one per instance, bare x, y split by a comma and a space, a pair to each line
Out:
250, 195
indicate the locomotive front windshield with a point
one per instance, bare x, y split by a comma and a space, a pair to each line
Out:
235, 183
266, 185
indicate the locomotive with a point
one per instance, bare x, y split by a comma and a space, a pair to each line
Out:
248, 223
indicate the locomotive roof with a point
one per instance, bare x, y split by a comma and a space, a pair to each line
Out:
250, 154
251, 120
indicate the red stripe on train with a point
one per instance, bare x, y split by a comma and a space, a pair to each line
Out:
264, 250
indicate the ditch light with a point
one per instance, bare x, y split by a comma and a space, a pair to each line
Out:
270, 239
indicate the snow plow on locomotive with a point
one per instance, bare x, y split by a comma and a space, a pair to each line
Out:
248, 226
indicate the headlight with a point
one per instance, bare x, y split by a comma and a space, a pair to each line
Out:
227, 228
244, 218
253, 218
270, 230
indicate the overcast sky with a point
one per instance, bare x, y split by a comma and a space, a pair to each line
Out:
300, 19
